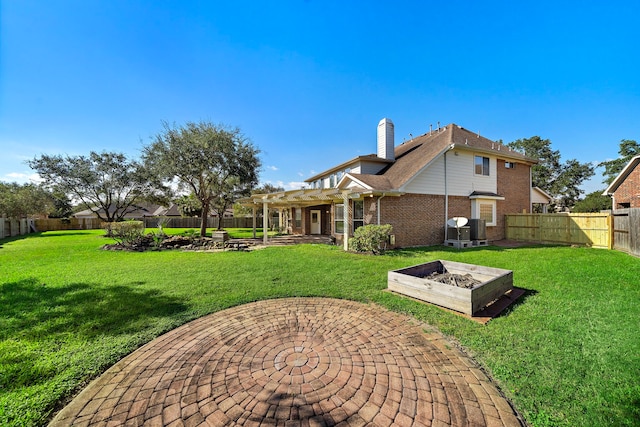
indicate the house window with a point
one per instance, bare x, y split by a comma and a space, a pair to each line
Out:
358, 214
484, 209
339, 219
332, 181
509, 165
486, 212
482, 165
298, 217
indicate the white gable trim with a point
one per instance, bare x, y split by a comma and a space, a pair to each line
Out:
621, 176
344, 184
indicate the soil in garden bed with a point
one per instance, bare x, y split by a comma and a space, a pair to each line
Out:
460, 280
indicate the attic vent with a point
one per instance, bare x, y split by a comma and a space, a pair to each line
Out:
385, 139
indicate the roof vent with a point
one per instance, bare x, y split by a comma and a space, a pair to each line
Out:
385, 139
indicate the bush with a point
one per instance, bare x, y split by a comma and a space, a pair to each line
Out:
371, 238
126, 233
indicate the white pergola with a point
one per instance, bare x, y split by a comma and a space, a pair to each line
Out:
298, 198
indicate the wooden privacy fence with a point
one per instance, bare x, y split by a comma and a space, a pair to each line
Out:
10, 227
212, 222
626, 230
590, 229
55, 224
149, 222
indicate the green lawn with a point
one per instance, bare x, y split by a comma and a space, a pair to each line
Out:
567, 354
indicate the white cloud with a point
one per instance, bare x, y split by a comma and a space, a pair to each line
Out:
21, 178
293, 185
272, 168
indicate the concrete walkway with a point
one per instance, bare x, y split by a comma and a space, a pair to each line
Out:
294, 362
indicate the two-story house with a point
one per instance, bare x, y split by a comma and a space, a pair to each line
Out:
415, 186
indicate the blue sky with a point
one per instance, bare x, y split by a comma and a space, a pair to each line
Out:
308, 81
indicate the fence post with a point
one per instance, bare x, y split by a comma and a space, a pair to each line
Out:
610, 224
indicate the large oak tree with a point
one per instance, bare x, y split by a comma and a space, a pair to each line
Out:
23, 200
215, 163
558, 179
629, 148
107, 183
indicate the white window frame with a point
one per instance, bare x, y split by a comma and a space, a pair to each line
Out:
359, 220
488, 165
338, 213
298, 217
477, 201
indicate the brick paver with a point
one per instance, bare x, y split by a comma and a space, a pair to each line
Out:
294, 362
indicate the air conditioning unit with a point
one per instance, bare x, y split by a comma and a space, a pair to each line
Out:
465, 233
478, 229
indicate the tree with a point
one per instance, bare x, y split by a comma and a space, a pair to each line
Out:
62, 207
267, 188
628, 150
20, 201
560, 180
188, 205
215, 163
239, 210
107, 183
593, 202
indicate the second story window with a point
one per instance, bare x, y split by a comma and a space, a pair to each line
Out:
481, 165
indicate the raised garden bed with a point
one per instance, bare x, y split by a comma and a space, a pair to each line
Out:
485, 284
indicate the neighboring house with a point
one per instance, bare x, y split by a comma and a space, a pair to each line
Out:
141, 211
625, 188
415, 187
540, 200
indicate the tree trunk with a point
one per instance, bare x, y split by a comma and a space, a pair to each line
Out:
221, 211
204, 215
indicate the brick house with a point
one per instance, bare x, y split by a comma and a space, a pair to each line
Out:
625, 188
415, 186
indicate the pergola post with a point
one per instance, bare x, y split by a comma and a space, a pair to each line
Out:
265, 221
345, 221
254, 221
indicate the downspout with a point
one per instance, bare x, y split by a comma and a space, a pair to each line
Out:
446, 192
378, 207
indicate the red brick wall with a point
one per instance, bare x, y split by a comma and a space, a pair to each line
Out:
629, 190
417, 219
515, 186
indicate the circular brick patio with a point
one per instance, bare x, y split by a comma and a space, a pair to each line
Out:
295, 361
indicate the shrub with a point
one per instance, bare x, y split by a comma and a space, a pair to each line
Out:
127, 233
371, 238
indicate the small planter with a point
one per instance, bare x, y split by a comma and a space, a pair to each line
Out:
412, 282
220, 236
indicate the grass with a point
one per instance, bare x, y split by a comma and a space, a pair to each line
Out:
566, 354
